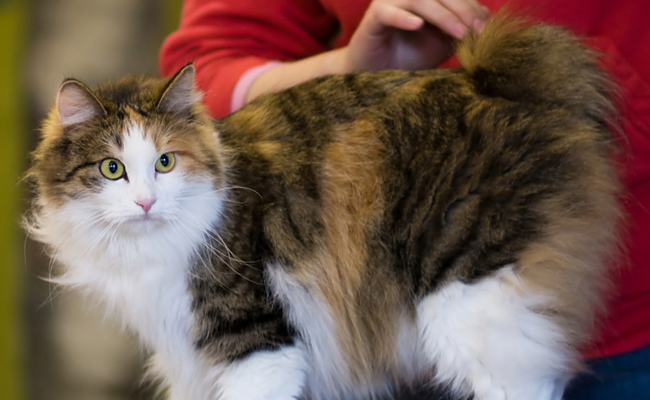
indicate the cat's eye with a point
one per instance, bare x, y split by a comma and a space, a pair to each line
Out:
112, 168
166, 162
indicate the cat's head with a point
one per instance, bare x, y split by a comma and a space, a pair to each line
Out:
129, 157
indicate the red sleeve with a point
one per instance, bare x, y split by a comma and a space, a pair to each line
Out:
225, 38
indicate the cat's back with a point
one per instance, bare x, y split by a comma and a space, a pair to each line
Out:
432, 164
380, 189
352, 233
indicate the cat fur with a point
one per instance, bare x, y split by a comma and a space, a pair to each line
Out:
352, 234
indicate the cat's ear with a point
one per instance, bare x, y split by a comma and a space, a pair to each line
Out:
180, 92
75, 103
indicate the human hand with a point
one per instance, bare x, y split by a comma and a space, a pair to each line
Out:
409, 34
393, 34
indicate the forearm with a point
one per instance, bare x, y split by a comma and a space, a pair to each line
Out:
288, 74
225, 38
393, 34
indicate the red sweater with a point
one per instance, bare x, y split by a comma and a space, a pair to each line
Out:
225, 38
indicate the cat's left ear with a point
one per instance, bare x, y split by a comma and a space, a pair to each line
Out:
76, 103
180, 92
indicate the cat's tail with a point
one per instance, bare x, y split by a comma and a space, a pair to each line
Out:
517, 60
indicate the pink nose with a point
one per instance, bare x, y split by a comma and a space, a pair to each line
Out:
145, 204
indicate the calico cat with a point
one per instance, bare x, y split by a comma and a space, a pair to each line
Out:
349, 235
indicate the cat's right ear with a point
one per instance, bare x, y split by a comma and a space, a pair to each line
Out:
75, 103
180, 92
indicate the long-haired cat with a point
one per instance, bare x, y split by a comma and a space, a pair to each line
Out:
349, 235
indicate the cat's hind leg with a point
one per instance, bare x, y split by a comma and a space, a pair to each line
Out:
490, 340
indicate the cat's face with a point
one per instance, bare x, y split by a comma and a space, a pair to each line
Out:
141, 183
130, 158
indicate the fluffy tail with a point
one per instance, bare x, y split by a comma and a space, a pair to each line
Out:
517, 60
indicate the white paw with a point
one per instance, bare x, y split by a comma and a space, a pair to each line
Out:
266, 375
485, 389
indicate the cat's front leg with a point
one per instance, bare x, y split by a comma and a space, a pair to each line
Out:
265, 375
278, 374
242, 335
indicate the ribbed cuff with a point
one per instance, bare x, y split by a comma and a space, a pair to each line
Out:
245, 82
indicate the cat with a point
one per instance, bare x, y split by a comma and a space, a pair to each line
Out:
350, 235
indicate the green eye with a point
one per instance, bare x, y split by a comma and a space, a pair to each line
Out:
166, 162
112, 168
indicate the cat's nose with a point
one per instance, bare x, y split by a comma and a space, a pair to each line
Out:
145, 203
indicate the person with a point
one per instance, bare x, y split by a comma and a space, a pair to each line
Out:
242, 49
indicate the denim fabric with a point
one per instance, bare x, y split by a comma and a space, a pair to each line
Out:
620, 377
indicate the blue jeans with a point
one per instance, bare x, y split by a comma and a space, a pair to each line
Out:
621, 377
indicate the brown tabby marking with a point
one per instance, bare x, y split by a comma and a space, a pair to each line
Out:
354, 205
575, 256
375, 191
576, 249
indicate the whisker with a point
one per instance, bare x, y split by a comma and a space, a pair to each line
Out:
210, 247
207, 266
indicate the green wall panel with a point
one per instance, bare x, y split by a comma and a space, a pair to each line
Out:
12, 149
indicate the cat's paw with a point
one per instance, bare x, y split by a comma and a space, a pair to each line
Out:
266, 375
486, 389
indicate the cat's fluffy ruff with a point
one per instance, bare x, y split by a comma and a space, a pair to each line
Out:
350, 234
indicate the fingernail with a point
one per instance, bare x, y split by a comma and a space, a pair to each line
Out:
459, 30
478, 25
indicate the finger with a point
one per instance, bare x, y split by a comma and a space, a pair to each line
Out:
484, 9
390, 16
481, 9
438, 15
465, 10
484, 12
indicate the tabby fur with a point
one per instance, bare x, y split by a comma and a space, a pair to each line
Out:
348, 215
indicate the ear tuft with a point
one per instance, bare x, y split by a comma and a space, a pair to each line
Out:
75, 103
180, 92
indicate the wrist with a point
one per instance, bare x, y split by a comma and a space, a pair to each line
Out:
338, 62
241, 91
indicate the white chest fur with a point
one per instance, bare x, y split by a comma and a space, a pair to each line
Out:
141, 280
136, 261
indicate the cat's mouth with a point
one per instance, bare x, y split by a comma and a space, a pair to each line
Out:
144, 220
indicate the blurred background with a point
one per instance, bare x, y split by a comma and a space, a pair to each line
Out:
52, 345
